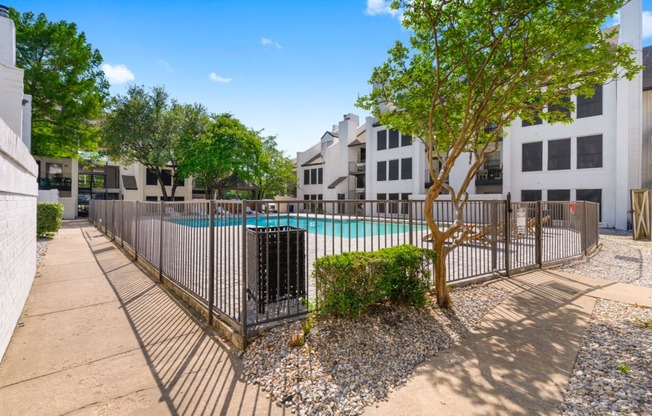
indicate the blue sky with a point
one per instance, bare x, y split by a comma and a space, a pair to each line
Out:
292, 68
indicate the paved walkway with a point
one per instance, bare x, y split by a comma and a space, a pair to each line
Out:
97, 336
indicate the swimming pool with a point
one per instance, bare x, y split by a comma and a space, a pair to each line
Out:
346, 228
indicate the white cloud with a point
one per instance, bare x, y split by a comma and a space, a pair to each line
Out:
268, 42
647, 24
118, 74
166, 65
216, 78
376, 7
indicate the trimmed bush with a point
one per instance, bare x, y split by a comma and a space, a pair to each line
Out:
349, 283
49, 216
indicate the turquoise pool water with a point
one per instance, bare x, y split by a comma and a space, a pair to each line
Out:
346, 228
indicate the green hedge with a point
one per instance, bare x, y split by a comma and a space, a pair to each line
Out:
49, 216
349, 283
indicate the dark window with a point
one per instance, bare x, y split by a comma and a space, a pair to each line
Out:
320, 176
306, 177
313, 176
559, 195
406, 168
381, 205
393, 139
382, 139
179, 198
589, 107
381, 171
393, 206
535, 122
532, 156
151, 178
560, 108
559, 154
405, 205
393, 170
167, 177
530, 195
592, 195
589, 152
406, 140
151, 198
112, 177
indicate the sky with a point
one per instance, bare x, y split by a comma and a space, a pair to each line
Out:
291, 68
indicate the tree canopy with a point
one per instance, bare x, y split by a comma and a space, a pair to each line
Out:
225, 153
63, 75
472, 67
145, 126
273, 171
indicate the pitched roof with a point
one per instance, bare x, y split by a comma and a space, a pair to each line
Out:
337, 182
317, 160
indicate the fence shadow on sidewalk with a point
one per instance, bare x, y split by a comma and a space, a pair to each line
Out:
196, 372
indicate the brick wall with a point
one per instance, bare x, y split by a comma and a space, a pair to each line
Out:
18, 190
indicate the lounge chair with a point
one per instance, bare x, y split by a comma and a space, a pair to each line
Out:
170, 211
251, 211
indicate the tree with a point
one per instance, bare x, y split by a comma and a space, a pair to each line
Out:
68, 88
223, 154
272, 172
145, 126
472, 67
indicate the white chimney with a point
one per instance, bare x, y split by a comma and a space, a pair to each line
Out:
7, 38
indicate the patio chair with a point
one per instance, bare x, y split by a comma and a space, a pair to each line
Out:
251, 211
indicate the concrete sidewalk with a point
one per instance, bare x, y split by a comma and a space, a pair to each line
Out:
521, 357
97, 336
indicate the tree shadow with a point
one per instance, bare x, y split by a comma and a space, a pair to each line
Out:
519, 359
196, 372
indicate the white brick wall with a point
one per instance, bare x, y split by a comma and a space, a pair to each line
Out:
18, 190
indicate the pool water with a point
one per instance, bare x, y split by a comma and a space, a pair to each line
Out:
346, 228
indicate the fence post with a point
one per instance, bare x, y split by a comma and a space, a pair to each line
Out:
508, 231
494, 235
137, 225
160, 243
211, 259
113, 227
122, 226
410, 220
538, 235
243, 275
583, 228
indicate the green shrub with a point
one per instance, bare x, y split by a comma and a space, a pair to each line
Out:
349, 283
405, 275
48, 218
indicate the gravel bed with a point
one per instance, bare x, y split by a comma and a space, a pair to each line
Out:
613, 371
619, 258
41, 249
346, 365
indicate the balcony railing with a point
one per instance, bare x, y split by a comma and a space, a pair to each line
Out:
357, 168
489, 175
56, 181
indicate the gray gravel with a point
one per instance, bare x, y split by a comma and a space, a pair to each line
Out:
41, 249
347, 365
619, 258
613, 371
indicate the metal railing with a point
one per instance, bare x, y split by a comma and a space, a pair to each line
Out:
250, 263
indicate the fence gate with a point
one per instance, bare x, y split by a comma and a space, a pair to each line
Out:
641, 213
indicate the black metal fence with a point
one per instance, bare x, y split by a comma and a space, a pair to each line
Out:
250, 262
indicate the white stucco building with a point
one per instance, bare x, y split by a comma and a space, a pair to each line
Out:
600, 156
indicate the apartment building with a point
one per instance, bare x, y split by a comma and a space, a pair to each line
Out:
75, 182
599, 157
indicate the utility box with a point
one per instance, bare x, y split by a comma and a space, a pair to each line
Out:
276, 264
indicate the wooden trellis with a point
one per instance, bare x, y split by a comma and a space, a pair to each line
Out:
641, 214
